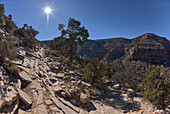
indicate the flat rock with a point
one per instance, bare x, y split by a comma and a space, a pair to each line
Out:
40, 97
59, 75
69, 105
25, 76
24, 69
60, 105
55, 110
71, 72
48, 102
82, 111
24, 97
130, 91
57, 89
32, 63
18, 62
26, 62
42, 68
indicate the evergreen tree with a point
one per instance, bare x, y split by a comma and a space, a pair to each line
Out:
76, 34
2, 11
60, 45
157, 86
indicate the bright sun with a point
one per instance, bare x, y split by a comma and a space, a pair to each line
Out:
48, 10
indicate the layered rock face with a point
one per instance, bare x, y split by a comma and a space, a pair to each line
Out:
149, 48
106, 49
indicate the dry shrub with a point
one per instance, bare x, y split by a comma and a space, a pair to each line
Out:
13, 70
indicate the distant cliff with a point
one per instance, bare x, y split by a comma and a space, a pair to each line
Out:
106, 49
148, 48
46, 42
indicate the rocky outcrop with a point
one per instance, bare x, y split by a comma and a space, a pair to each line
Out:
149, 48
106, 49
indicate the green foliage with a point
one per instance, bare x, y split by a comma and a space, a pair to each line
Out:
97, 72
20, 32
2, 10
76, 34
60, 45
6, 51
0, 37
30, 31
9, 25
80, 62
27, 35
10, 16
157, 86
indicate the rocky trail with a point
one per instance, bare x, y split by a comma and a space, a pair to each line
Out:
44, 85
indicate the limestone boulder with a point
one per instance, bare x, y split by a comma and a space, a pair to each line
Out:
24, 76
24, 97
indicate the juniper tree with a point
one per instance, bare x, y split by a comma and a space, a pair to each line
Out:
157, 86
78, 35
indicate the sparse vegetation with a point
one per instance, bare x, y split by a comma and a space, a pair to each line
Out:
27, 35
2, 10
13, 70
157, 86
7, 51
60, 45
97, 72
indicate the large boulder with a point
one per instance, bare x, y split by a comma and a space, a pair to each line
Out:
24, 97
24, 76
8, 97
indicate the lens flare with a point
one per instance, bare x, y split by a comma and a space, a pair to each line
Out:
47, 10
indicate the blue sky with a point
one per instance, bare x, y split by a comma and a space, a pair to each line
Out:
103, 18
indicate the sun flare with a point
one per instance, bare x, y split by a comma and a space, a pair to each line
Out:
47, 10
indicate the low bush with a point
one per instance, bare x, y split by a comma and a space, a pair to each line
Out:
13, 70
96, 72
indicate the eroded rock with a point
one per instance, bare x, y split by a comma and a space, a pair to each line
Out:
24, 76
24, 97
